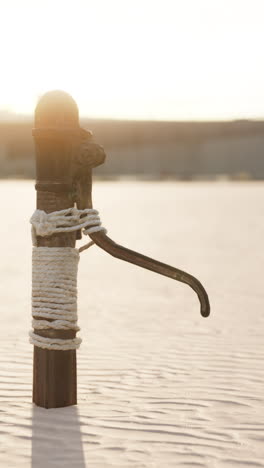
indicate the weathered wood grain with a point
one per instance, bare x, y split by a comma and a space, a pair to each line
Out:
54, 376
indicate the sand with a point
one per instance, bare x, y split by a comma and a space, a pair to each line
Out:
158, 385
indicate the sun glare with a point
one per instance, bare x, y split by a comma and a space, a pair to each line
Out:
143, 59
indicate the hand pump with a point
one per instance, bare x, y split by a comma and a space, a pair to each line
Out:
65, 157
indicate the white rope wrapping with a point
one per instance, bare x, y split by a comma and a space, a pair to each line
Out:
54, 275
69, 220
54, 295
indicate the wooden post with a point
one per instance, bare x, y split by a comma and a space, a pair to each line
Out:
57, 135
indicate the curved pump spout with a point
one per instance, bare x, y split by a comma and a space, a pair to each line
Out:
118, 251
90, 156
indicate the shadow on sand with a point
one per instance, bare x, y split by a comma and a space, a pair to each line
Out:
56, 438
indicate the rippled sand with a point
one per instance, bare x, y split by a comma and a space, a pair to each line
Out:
158, 385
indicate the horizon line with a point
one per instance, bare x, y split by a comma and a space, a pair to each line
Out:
7, 116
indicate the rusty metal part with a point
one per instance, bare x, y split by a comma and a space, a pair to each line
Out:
118, 251
90, 156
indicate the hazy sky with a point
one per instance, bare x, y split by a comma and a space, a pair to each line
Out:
147, 59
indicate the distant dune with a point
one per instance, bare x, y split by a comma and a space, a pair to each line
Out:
178, 150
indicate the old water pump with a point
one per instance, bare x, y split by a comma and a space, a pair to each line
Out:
65, 157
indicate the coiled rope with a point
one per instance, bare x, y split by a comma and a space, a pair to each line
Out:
54, 275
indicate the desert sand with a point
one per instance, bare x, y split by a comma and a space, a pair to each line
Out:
158, 385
